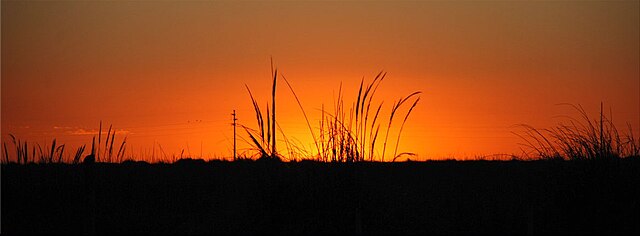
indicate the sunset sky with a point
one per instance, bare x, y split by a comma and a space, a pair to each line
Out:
169, 73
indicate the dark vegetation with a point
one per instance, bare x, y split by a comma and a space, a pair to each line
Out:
349, 134
191, 196
582, 138
56, 154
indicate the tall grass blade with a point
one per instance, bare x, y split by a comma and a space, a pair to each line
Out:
113, 137
25, 153
106, 144
6, 153
402, 126
60, 151
263, 152
273, 115
42, 155
16, 144
374, 137
268, 127
93, 149
120, 150
373, 142
393, 112
256, 108
97, 154
315, 141
78, 155
53, 148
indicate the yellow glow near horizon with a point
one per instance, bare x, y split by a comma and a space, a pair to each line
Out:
170, 73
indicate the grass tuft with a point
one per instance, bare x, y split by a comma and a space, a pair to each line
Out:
581, 138
346, 135
263, 139
353, 138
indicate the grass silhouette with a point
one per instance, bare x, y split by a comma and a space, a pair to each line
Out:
582, 138
355, 134
78, 154
353, 138
340, 138
56, 153
264, 138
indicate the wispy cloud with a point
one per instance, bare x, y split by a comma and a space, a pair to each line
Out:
80, 131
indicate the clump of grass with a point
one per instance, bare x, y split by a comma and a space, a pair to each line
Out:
263, 139
56, 153
343, 136
393, 112
78, 155
122, 150
580, 139
52, 155
354, 137
107, 153
22, 150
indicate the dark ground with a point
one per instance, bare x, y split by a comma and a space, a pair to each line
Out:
308, 197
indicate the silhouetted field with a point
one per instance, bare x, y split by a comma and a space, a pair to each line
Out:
312, 197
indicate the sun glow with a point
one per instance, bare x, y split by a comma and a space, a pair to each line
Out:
167, 75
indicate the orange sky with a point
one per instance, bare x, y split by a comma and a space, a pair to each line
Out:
152, 69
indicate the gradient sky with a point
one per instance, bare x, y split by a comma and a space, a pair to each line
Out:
171, 72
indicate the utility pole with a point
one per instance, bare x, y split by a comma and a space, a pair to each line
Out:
234, 135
